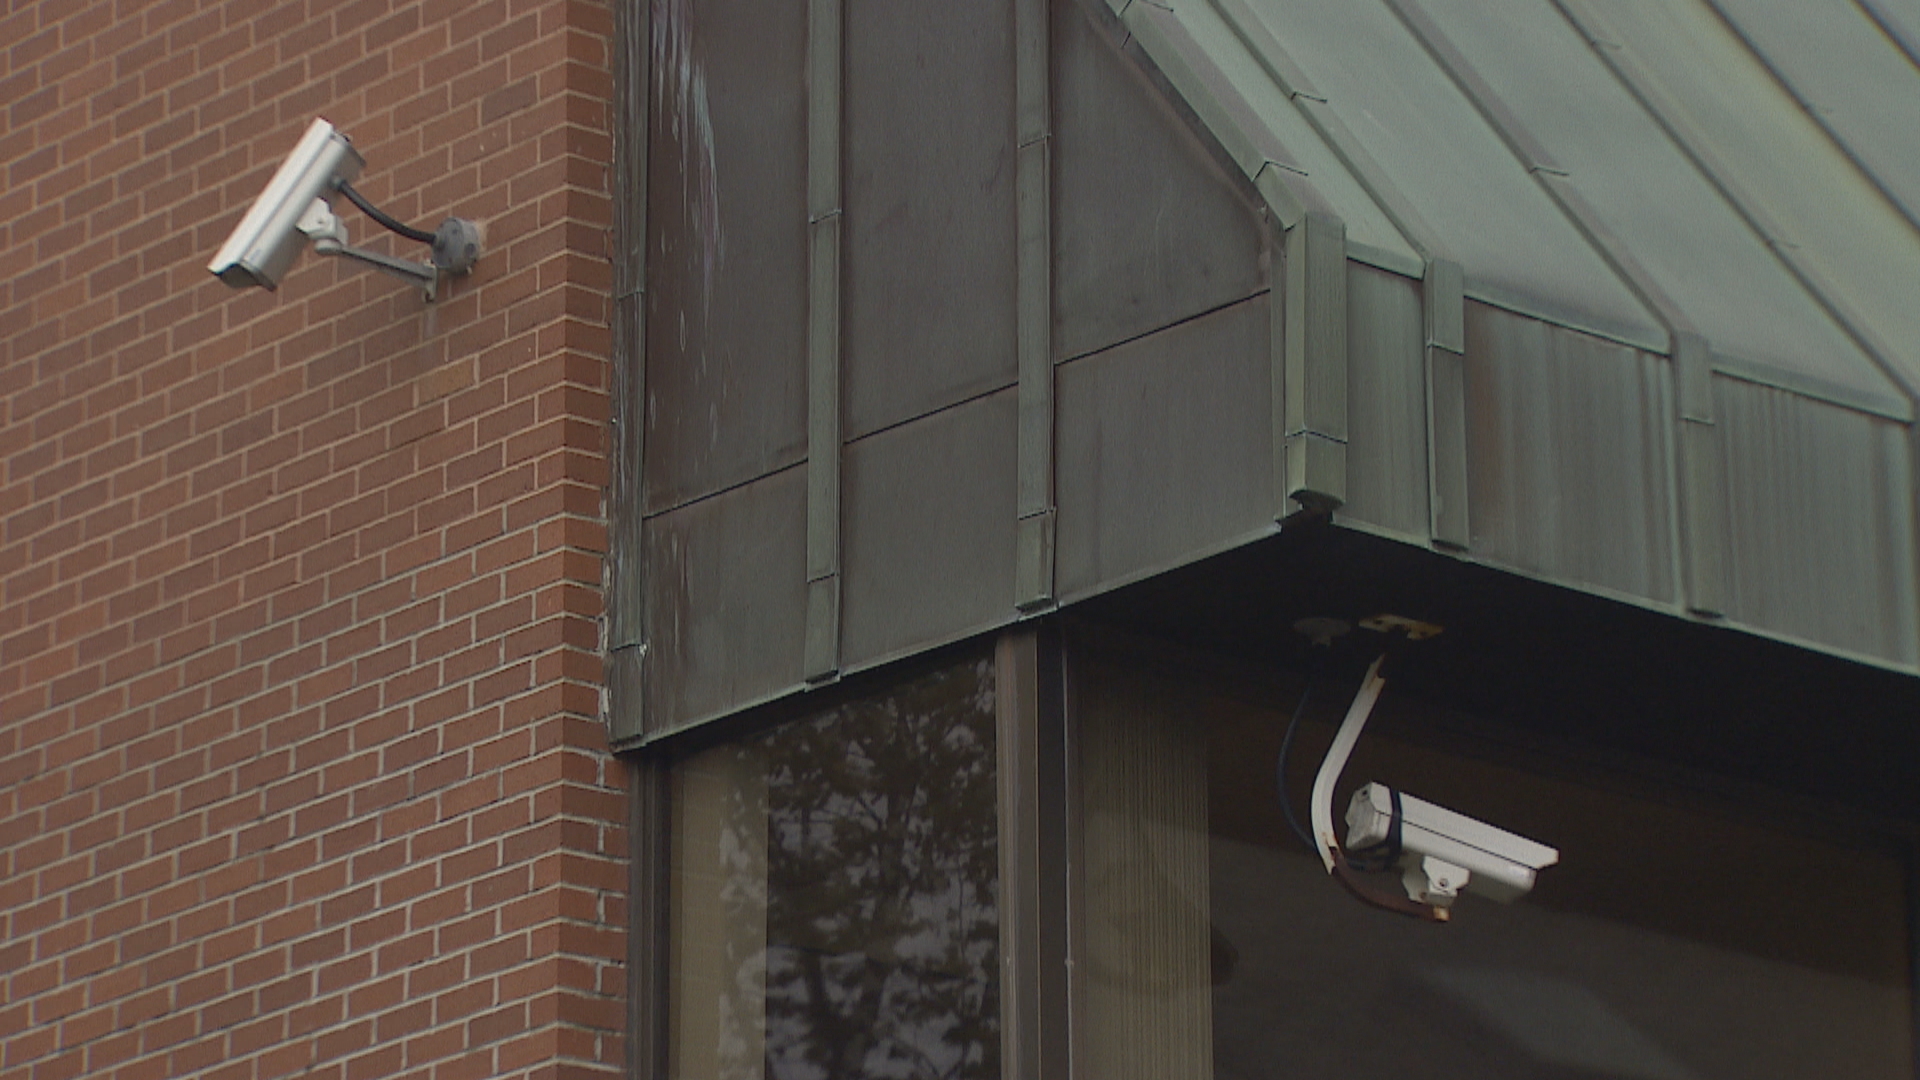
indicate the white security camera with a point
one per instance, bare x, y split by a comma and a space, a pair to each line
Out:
269, 238
297, 206
1440, 851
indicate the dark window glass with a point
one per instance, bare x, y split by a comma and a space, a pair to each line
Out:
834, 893
1683, 936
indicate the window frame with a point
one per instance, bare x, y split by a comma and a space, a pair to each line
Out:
1038, 732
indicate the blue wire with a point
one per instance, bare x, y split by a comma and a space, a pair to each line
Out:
1286, 744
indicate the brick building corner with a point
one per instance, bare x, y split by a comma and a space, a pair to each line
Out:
301, 765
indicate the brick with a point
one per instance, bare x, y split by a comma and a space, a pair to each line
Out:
278, 629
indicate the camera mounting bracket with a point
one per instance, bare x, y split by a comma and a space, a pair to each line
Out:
329, 236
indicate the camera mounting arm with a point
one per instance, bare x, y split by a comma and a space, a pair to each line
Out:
1324, 838
455, 247
329, 236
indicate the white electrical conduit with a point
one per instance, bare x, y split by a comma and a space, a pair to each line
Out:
1335, 762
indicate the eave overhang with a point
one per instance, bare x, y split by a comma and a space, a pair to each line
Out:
1729, 189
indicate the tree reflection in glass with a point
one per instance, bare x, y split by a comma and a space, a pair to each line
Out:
835, 893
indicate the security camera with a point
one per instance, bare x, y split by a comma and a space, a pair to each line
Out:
269, 238
297, 206
1440, 851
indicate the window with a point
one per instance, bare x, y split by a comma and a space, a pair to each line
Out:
1072, 862
1683, 936
833, 892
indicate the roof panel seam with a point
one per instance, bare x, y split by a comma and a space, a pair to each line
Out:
1366, 172
1554, 180
1814, 113
1890, 26
1641, 86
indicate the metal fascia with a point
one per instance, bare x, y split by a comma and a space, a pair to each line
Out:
1697, 460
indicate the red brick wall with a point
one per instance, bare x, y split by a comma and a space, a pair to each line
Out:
300, 765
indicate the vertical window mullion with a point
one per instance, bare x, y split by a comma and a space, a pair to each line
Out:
648, 833
1033, 856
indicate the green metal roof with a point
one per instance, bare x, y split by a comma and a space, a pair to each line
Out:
1746, 170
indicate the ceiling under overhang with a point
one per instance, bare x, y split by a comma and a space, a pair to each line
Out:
1550, 669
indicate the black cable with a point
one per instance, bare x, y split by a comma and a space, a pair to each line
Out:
1286, 744
380, 216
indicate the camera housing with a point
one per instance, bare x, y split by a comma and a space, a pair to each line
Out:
269, 237
1442, 851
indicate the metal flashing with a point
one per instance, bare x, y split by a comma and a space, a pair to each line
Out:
1387, 457
626, 534
825, 42
1032, 53
625, 671
1693, 378
1285, 206
1223, 110
1034, 548
626, 544
1530, 300
1314, 396
1444, 304
1372, 178
1813, 388
821, 655
1034, 495
1411, 267
1537, 308
1402, 221
1701, 487
826, 28
1262, 123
